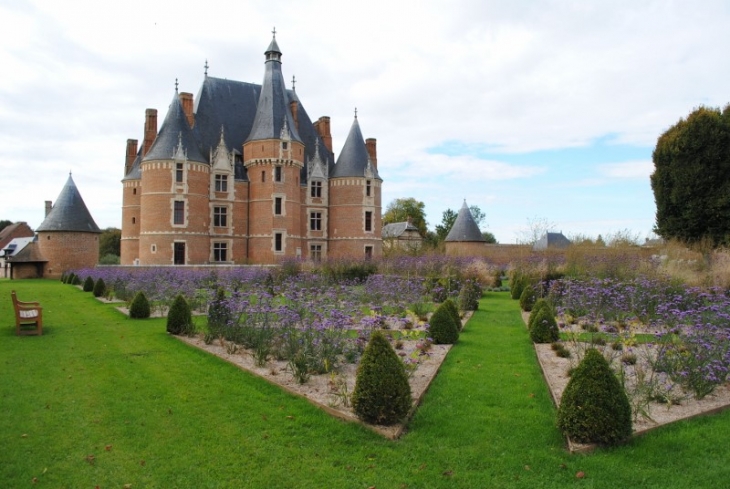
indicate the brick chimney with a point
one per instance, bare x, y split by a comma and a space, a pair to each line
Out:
49, 206
150, 129
371, 145
322, 126
131, 155
294, 106
186, 99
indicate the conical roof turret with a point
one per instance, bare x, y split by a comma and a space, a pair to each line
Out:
354, 160
465, 227
69, 213
272, 111
175, 134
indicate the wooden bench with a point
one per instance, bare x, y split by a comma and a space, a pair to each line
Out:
28, 317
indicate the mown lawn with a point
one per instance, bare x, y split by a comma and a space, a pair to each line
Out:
102, 400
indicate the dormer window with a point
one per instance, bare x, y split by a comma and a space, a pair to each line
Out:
178, 172
315, 190
277, 172
284, 145
221, 183
367, 188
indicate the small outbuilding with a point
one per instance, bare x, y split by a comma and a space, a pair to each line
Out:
464, 238
551, 241
402, 235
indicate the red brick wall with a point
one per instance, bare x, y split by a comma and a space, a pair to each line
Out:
130, 221
68, 250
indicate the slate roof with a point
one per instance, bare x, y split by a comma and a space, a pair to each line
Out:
15, 230
29, 254
551, 240
272, 110
464, 228
69, 213
354, 158
15, 246
396, 229
234, 106
135, 173
175, 130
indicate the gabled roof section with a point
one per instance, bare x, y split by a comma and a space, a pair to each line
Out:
228, 104
15, 230
15, 246
397, 229
551, 240
354, 160
69, 213
29, 254
272, 110
465, 227
175, 131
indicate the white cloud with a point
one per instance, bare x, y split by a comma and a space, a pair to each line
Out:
627, 169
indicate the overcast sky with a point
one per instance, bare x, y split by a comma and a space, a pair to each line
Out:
536, 111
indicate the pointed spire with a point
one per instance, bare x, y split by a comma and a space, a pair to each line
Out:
176, 84
465, 227
273, 53
69, 213
175, 135
273, 112
206, 67
354, 159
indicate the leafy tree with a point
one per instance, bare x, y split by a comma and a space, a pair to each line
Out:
447, 220
691, 180
110, 242
489, 237
5, 223
399, 210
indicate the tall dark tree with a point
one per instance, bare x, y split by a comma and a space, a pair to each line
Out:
447, 220
399, 210
5, 223
691, 180
110, 242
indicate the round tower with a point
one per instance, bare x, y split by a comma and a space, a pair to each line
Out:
174, 203
273, 155
355, 221
68, 238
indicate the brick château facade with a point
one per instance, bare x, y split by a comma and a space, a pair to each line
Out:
242, 175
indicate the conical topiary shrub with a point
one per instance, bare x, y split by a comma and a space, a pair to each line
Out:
70, 278
469, 295
594, 407
528, 298
179, 318
454, 311
443, 329
77, 280
99, 288
88, 284
517, 285
382, 394
140, 307
539, 304
544, 328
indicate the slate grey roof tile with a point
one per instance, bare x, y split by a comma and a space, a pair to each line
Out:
69, 213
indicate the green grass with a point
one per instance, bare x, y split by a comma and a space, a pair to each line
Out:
174, 416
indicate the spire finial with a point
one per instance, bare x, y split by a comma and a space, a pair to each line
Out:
206, 67
294, 83
176, 84
355, 112
273, 31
